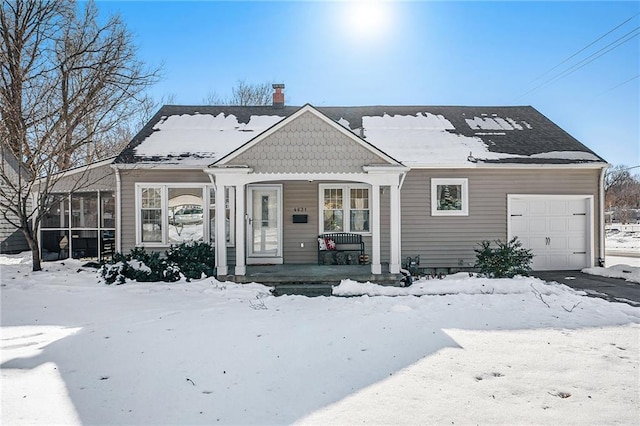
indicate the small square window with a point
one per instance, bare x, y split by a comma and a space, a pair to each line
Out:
449, 197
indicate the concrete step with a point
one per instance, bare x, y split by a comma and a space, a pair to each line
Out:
309, 290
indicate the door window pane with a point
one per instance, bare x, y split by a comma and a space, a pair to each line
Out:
264, 225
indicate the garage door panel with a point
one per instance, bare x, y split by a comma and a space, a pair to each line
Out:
558, 208
537, 225
519, 226
577, 242
558, 243
539, 263
536, 243
577, 223
578, 261
537, 208
555, 229
558, 261
519, 207
557, 224
578, 206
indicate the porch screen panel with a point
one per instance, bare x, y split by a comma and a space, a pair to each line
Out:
108, 209
58, 212
333, 210
151, 214
84, 210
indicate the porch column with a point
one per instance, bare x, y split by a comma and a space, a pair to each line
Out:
394, 231
241, 269
376, 268
221, 238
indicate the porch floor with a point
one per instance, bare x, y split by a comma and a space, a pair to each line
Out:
311, 278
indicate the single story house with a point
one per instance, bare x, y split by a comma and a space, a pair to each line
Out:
431, 181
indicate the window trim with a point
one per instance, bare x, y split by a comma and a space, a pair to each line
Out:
164, 192
463, 182
346, 205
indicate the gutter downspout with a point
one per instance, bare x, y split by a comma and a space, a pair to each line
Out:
602, 258
402, 178
118, 210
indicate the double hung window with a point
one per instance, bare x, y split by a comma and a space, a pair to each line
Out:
344, 208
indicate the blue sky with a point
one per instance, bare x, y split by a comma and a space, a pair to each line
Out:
408, 53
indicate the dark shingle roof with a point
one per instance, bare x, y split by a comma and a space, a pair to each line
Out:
531, 132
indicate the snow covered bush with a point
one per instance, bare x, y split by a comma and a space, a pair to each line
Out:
190, 260
193, 259
139, 265
503, 261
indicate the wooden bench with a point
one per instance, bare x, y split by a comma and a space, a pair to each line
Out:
345, 243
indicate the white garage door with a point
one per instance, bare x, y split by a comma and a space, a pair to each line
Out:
556, 228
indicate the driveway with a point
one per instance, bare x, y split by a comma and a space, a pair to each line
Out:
612, 289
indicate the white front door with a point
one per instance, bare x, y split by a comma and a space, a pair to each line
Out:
556, 228
264, 224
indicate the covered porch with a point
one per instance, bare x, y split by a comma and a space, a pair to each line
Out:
294, 245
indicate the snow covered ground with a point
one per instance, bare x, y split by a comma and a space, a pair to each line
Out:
622, 240
460, 350
623, 248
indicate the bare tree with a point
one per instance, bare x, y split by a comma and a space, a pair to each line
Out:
622, 192
67, 85
149, 107
243, 94
212, 98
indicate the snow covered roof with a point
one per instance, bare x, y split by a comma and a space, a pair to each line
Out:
417, 136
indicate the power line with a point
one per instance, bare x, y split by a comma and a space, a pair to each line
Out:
618, 85
588, 59
584, 48
606, 49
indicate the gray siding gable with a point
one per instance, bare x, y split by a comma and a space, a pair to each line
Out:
308, 144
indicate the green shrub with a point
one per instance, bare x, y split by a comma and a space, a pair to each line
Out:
505, 260
139, 265
193, 259
190, 260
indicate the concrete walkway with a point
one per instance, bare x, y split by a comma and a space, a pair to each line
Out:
612, 289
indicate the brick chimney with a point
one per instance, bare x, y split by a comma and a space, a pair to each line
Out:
278, 96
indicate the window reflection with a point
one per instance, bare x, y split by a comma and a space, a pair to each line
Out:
186, 215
